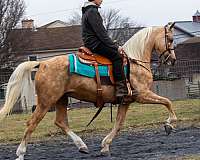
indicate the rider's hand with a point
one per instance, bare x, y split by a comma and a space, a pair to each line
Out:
120, 50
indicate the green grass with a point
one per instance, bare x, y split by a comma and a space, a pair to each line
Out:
191, 157
139, 116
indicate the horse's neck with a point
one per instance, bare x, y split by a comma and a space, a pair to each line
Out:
150, 44
147, 52
141, 48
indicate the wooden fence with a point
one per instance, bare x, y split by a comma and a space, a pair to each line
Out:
163, 76
193, 90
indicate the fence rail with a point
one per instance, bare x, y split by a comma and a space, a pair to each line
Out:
193, 90
182, 69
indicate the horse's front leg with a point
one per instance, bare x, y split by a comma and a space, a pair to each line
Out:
121, 114
148, 97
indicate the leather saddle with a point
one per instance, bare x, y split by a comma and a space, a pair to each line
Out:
90, 57
86, 56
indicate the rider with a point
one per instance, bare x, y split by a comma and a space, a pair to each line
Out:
95, 38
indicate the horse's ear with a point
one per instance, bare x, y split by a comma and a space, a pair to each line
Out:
171, 25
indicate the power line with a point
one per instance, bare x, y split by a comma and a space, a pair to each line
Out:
53, 12
178, 36
66, 10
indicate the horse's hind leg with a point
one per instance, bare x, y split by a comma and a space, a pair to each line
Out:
62, 122
149, 97
37, 116
121, 115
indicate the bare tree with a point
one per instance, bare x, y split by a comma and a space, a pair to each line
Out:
117, 25
113, 19
120, 28
75, 19
11, 11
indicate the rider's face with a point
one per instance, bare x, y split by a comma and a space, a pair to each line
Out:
98, 2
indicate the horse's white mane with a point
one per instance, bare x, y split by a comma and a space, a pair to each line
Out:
135, 46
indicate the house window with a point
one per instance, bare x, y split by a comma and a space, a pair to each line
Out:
32, 58
2, 93
157, 89
190, 79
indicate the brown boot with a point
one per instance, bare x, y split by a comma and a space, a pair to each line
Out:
121, 89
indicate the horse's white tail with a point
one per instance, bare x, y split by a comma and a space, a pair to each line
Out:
19, 85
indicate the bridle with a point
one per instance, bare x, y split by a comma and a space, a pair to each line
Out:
162, 57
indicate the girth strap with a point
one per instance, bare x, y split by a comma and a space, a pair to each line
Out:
99, 102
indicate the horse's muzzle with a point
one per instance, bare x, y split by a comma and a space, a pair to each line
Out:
172, 61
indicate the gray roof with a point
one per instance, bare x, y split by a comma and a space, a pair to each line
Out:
56, 21
189, 27
192, 40
197, 13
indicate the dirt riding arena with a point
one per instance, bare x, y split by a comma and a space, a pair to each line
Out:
149, 145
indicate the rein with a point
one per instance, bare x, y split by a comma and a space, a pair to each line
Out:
123, 54
136, 62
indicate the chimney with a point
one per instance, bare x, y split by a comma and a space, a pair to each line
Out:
28, 23
196, 17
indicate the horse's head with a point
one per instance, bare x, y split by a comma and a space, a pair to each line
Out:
164, 45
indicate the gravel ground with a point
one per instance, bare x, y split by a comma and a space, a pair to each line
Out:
145, 145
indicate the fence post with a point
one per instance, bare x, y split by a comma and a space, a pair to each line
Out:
188, 91
199, 87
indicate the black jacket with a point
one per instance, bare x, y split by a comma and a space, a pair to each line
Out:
93, 30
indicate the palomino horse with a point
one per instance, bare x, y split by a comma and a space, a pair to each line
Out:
54, 85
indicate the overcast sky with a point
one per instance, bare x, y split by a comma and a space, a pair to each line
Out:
146, 12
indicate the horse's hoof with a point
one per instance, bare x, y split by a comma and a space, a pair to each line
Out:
105, 153
21, 157
168, 128
84, 150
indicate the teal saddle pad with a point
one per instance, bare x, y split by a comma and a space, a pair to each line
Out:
77, 67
